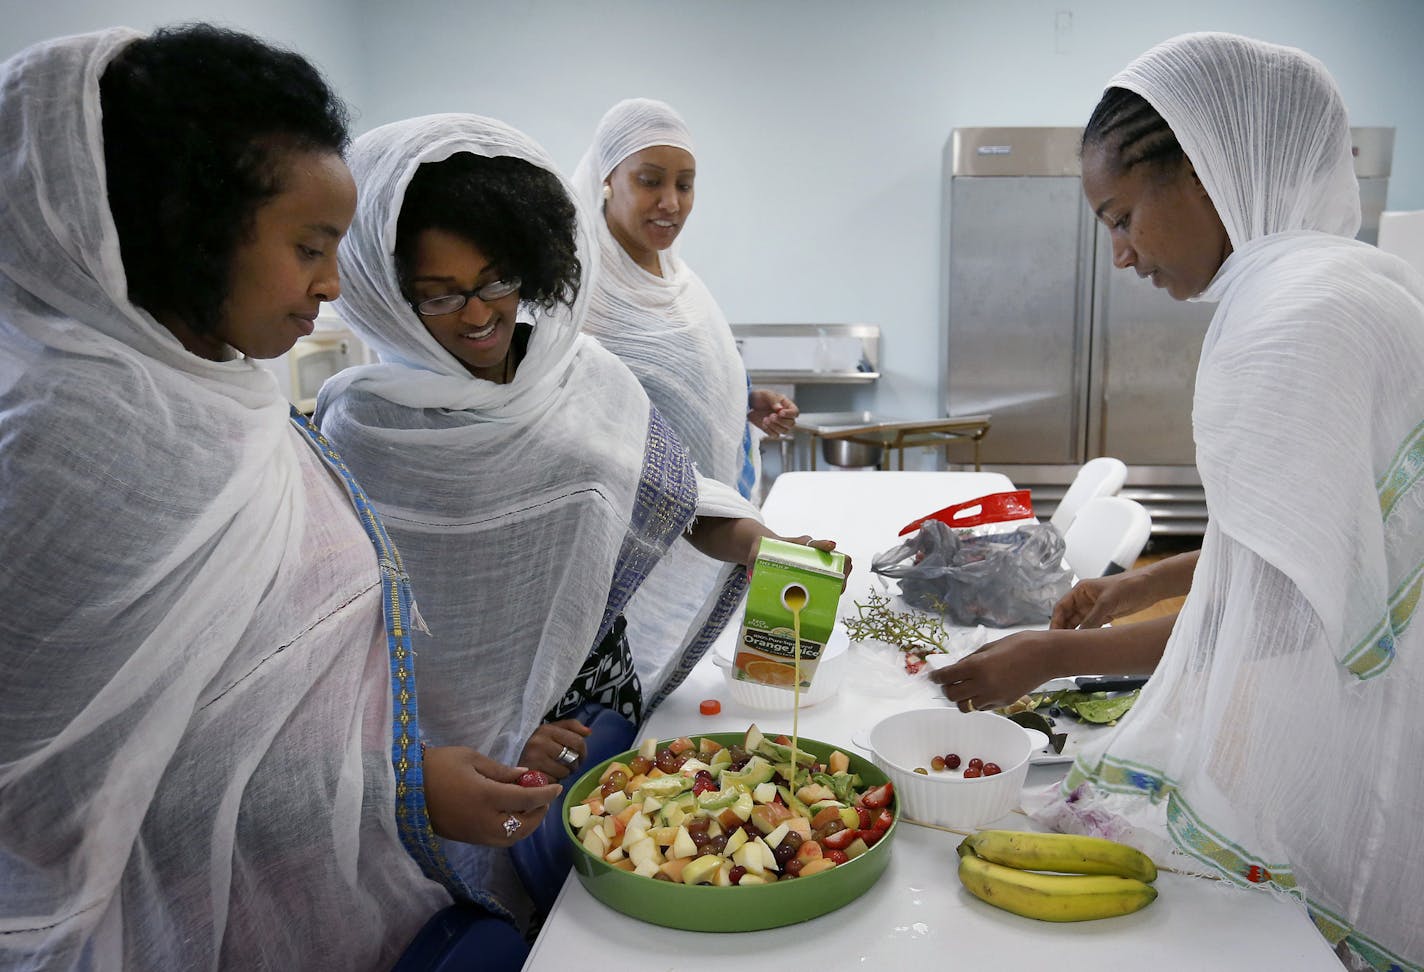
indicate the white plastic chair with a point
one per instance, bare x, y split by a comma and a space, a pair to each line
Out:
1106, 536
1102, 476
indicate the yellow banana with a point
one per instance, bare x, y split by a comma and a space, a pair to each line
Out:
1067, 853
1053, 897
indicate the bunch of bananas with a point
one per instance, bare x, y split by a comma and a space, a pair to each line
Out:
1094, 878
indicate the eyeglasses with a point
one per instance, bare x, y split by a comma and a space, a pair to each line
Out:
450, 303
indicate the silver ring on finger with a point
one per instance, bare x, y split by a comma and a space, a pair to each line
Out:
567, 756
512, 825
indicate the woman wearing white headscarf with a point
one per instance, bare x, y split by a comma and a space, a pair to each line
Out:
209, 744
526, 479
1277, 743
650, 308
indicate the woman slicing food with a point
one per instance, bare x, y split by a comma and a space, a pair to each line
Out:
638, 182
519, 466
1274, 743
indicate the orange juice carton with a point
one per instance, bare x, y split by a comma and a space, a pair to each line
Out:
792, 585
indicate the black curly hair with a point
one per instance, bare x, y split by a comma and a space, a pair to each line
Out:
197, 123
1126, 124
516, 213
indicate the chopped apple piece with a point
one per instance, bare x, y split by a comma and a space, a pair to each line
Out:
749, 857
850, 818
768, 858
855, 848
623, 865
753, 738
812, 792
614, 855
764, 792
683, 845
774, 838
738, 838
749, 879
648, 749
744, 806
595, 843
693, 766
800, 826
723, 877
663, 836
644, 851
702, 870
578, 816
646, 870
651, 805
707, 746
615, 802
610, 827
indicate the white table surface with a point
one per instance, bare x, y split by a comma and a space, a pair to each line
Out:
917, 916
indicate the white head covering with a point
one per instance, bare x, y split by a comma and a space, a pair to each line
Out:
1286, 164
1275, 744
176, 789
511, 504
674, 337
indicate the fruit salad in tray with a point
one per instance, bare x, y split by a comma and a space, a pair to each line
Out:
758, 835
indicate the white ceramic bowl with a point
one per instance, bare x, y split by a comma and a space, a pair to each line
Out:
903, 741
824, 684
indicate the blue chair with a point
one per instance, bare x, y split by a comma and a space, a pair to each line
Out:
542, 860
461, 937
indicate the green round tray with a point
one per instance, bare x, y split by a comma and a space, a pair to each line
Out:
711, 909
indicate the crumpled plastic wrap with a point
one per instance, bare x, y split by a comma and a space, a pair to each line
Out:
996, 579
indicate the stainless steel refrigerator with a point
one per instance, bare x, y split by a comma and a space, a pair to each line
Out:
1073, 358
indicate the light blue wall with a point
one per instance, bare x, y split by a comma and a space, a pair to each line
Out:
326, 31
819, 122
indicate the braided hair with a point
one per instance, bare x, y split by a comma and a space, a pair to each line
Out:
1125, 124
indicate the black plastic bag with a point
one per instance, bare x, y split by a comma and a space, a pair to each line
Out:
996, 579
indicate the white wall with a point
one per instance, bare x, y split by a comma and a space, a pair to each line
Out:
326, 31
819, 122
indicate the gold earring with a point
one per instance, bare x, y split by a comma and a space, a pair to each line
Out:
607, 191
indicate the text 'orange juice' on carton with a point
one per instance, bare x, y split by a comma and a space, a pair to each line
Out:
783, 575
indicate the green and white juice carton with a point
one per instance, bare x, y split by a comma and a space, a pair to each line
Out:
784, 576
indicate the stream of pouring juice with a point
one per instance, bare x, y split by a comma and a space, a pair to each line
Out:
795, 600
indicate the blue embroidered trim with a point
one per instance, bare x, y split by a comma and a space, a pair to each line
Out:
665, 503
746, 481
412, 817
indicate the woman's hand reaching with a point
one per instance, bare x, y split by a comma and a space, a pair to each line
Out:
544, 747
472, 798
773, 413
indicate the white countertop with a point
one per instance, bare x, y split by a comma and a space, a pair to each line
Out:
917, 916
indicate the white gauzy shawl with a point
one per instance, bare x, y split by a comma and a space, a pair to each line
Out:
516, 507
1278, 742
195, 713
674, 337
